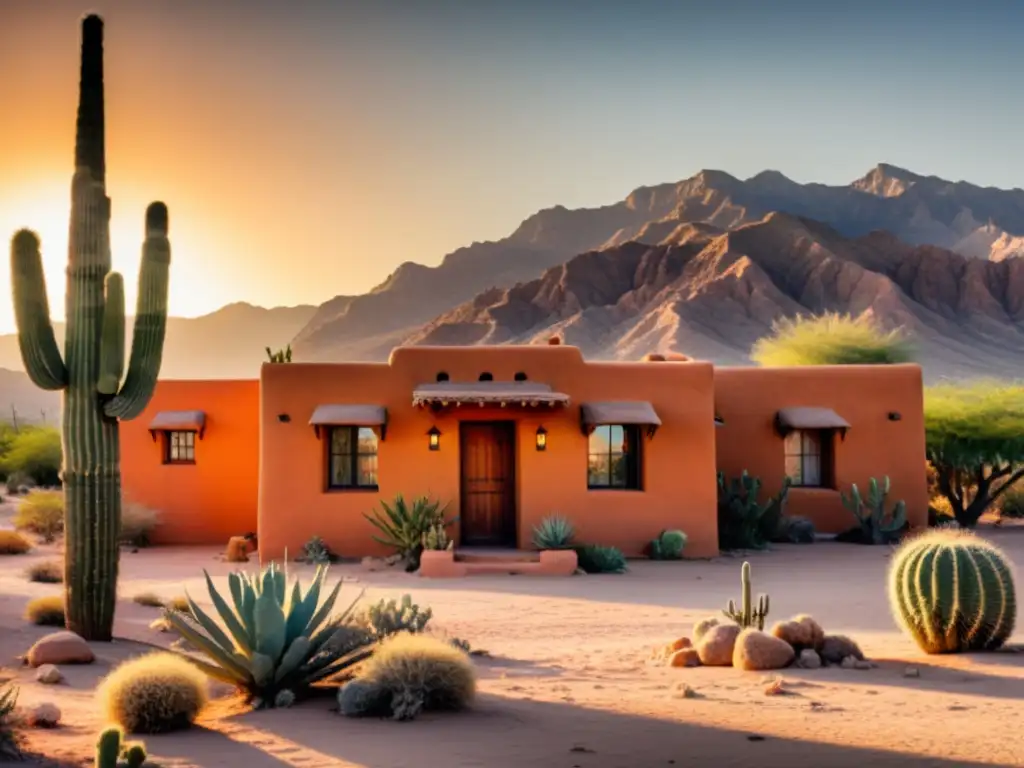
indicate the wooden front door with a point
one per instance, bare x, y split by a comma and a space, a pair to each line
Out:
488, 508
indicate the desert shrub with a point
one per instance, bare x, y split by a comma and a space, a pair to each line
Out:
436, 539
403, 526
277, 638
34, 453
46, 611
179, 603
831, 339
793, 529
974, 437
149, 599
112, 751
668, 545
16, 482
940, 511
46, 572
137, 524
1011, 505
553, 532
13, 543
410, 674
9, 741
155, 693
42, 513
594, 558
316, 551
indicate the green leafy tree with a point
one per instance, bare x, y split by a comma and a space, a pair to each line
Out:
831, 339
975, 443
34, 452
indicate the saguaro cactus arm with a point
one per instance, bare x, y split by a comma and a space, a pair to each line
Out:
150, 320
112, 340
39, 350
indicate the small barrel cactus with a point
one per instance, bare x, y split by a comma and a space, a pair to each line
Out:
953, 592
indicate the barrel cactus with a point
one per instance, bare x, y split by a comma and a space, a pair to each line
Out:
953, 592
91, 370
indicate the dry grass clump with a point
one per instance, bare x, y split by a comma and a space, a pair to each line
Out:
46, 572
408, 674
149, 599
178, 603
137, 524
46, 611
42, 513
13, 543
155, 693
831, 339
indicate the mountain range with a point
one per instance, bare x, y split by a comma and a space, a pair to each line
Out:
701, 267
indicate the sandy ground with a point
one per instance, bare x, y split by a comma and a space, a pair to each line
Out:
567, 685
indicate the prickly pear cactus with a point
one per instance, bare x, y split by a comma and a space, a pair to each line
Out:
953, 592
877, 526
91, 369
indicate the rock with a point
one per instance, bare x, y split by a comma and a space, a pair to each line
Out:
774, 687
808, 659
48, 674
848, 663
685, 657
680, 644
755, 649
161, 625
716, 645
45, 715
684, 691
701, 627
862, 664
911, 672
373, 564
62, 647
800, 632
835, 648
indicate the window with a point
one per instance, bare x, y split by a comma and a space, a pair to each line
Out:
809, 457
442, 376
520, 376
614, 457
352, 458
180, 448
485, 376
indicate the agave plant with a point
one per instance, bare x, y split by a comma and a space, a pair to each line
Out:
9, 749
404, 526
275, 640
554, 532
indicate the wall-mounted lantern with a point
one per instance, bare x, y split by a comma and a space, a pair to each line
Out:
542, 439
434, 436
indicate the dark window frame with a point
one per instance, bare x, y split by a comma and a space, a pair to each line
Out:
633, 439
189, 448
354, 457
825, 457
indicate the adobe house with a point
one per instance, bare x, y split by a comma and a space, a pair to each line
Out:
509, 435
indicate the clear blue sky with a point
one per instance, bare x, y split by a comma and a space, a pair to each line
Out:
307, 148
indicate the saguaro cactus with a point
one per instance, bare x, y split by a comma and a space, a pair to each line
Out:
748, 616
90, 373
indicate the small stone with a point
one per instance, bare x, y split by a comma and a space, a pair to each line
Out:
48, 674
687, 657
680, 644
684, 691
45, 715
774, 687
835, 648
715, 647
808, 659
848, 663
373, 564
62, 647
757, 650
911, 672
862, 664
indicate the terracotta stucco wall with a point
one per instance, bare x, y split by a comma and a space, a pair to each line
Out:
679, 469
205, 502
875, 446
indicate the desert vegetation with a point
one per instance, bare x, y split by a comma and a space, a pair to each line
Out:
46, 611
30, 455
404, 527
155, 693
13, 543
876, 524
831, 339
41, 512
746, 522
46, 572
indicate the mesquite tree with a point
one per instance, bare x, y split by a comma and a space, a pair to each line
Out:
90, 372
975, 443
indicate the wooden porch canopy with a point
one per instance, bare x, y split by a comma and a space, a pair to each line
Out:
349, 415
806, 417
638, 412
504, 394
178, 421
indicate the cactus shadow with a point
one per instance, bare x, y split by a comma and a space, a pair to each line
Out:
934, 677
